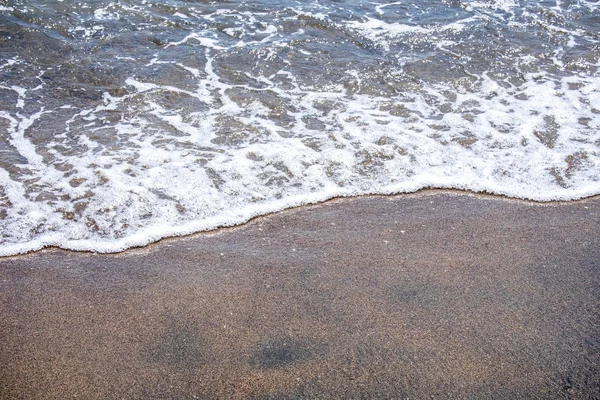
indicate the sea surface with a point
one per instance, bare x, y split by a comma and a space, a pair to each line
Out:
124, 122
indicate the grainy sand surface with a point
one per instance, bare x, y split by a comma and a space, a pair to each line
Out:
441, 294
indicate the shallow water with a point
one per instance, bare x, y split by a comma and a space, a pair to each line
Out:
125, 122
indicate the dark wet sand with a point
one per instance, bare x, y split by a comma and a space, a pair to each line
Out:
437, 294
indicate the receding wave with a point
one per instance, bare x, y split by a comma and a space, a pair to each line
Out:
122, 123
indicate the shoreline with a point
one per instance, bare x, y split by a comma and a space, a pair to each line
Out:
434, 293
224, 228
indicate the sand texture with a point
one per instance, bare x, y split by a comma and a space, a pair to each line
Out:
441, 294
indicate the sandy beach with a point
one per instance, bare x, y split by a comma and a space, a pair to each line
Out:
437, 294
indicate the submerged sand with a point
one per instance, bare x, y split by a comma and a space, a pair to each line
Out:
440, 294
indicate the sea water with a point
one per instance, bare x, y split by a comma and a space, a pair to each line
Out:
124, 122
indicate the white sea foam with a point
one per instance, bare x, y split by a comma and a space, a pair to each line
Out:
105, 14
385, 34
221, 144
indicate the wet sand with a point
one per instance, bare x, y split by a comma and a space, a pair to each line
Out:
440, 293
